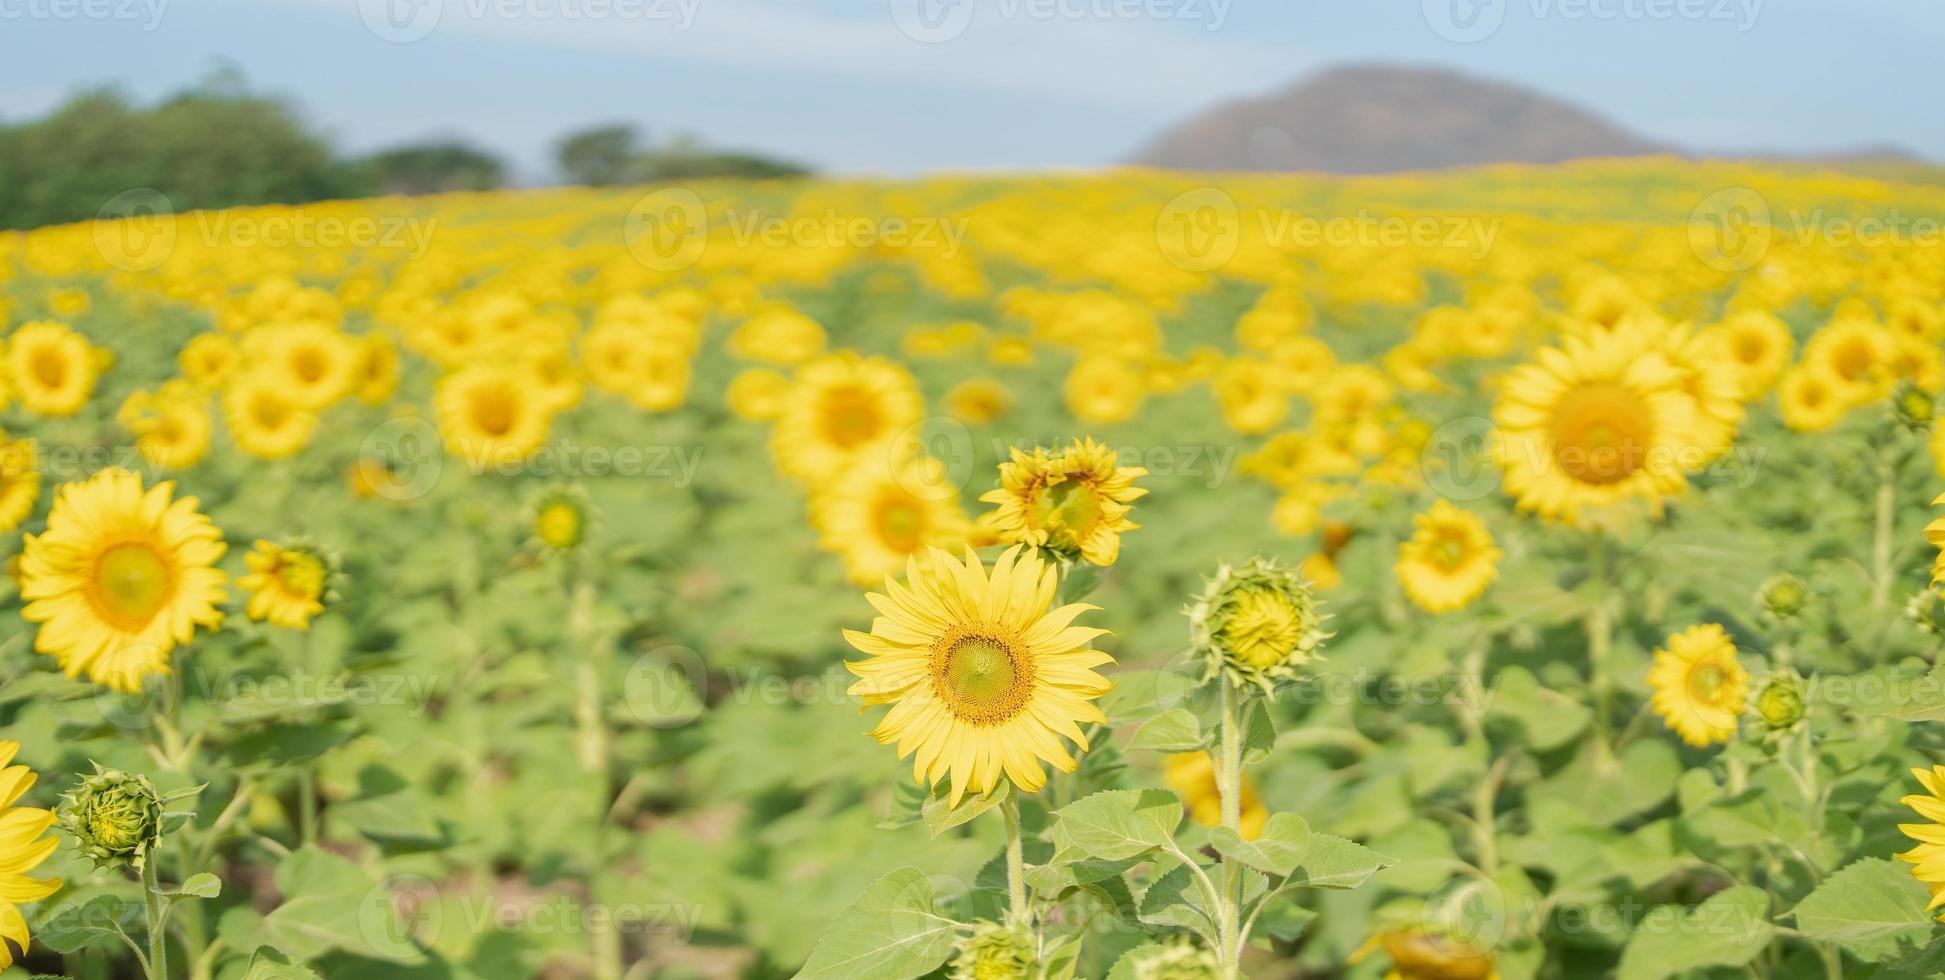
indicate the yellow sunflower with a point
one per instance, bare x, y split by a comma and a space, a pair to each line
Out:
1600, 419
121, 576
208, 359
879, 517
757, 394
311, 362
1758, 347
984, 678
22, 848
842, 410
1448, 561
490, 414
375, 370
20, 482
1192, 775
978, 401
1103, 390
1857, 354
1252, 397
287, 584
1812, 398
263, 421
1073, 500
53, 369
1420, 953
1929, 855
173, 432
1699, 687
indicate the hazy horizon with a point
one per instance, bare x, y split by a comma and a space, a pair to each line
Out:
912, 86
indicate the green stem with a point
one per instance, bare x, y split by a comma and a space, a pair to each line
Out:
1229, 776
1881, 534
1600, 640
153, 905
1016, 872
307, 803
590, 719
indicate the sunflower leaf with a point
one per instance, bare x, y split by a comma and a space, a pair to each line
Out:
941, 816
1333, 862
893, 931
1277, 851
1729, 929
1176, 730
1118, 824
1867, 908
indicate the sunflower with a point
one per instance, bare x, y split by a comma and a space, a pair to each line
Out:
1929, 855
757, 394
1699, 688
1252, 397
1073, 500
1421, 953
842, 410
172, 432
1935, 536
374, 371
1812, 398
983, 676
20, 482
120, 577
21, 849
1857, 353
879, 517
1600, 419
313, 364
489, 414
264, 421
1103, 390
288, 584
1448, 561
978, 401
778, 335
208, 359
1192, 775
53, 369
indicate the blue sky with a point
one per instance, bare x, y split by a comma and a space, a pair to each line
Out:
907, 86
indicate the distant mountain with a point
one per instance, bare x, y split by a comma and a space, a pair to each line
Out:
1371, 119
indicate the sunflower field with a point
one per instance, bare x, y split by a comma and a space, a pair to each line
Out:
1510, 573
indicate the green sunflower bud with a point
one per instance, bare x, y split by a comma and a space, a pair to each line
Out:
1927, 609
1783, 595
993, 952
1780, 705
1178, 960
1913, 406
116, 816
1258, 624
560, 518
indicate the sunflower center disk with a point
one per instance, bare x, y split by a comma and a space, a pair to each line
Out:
493, 413
1600, 433
1261, 627
1071, 506
131, 582
983, 679
850, 418
900, 524
1705, 682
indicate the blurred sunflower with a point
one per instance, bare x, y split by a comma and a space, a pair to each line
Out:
841, 410
1252, 397
1073, 500
879, 517
1758, 347
208, 359
1856, 352
984, 678
22, 848
1103, 390
1811, 398
52, 368
375, 370
288, 584
1419, 953
757, 394
263, 421
20, 481
1449, 560
174, 433
978, 401
1602, 418
490, 414
1192, 775
313, 364
1699, 687
121, 576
